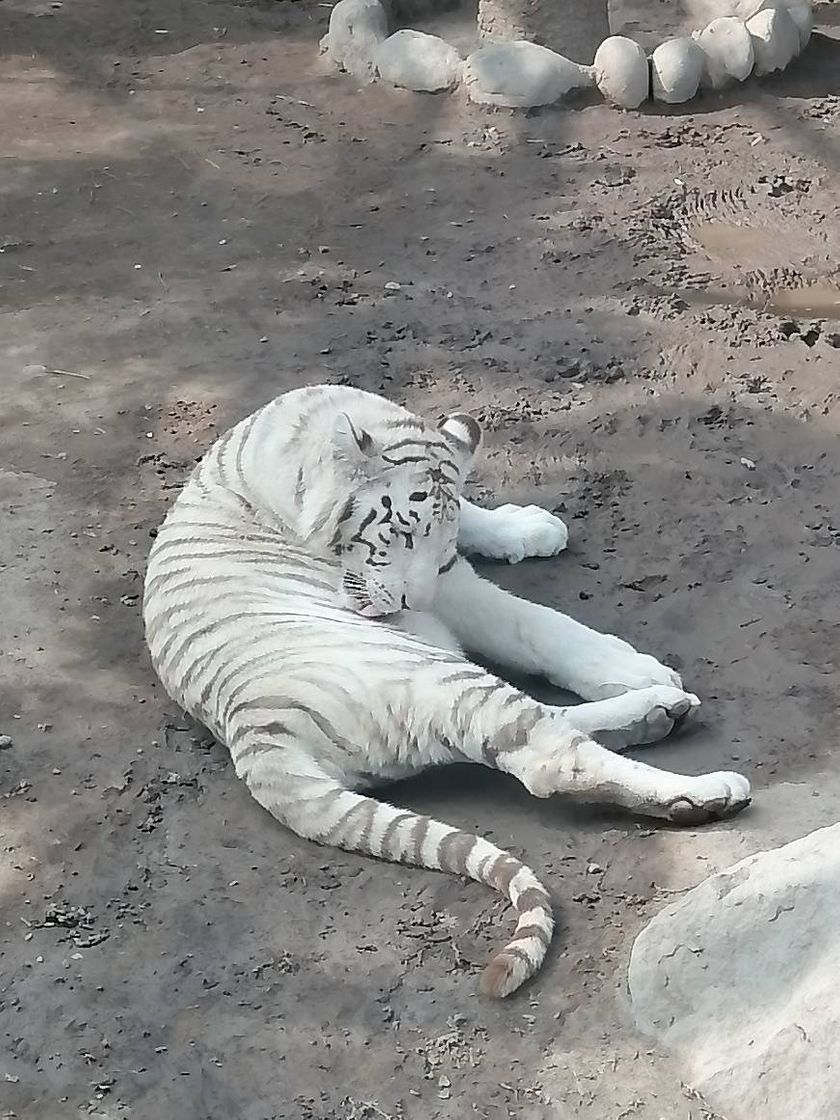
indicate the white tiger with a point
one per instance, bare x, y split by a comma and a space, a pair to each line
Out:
307, 600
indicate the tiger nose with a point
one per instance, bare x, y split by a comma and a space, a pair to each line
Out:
418, 599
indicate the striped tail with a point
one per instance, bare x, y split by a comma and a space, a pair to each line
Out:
318, 808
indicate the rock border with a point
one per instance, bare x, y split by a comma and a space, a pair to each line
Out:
749, 37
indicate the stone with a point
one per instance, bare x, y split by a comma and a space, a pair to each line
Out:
801, 11
521, 74
728, 48
677, 66
414, 60
802, 14
775, 39
739, 980
622, 72
357, 27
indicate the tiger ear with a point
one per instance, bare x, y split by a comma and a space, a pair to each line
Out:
351, 443
463, 431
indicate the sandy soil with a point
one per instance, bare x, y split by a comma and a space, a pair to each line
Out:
195, 218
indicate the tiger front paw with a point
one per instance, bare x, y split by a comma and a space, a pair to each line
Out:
519, 532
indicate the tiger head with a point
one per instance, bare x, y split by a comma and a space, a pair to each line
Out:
396, 527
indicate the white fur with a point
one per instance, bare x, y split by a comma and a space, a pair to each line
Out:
536, 639
465, 611
305, 600
510, 532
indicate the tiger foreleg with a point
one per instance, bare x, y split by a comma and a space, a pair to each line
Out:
531, 638
510, 532
642, 716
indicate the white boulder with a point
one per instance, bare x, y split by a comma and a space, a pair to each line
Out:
728, 48
622, 73
357, 27
520, 74
775, 39
414, 60
740, 980
802, 12
677, 67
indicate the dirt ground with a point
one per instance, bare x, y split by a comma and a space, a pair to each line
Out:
193, 218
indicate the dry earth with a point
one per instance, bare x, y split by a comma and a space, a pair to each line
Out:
193, 217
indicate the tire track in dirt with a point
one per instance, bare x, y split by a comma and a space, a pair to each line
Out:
765, 245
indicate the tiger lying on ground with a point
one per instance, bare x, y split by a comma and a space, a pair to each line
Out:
308, 601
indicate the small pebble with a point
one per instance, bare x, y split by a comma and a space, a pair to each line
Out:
5, 742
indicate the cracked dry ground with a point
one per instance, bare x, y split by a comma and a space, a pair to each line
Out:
193, 219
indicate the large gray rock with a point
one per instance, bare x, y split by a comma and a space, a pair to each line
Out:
622, 73
740, 979
521, 74
414, 60
357, 27
775, 39
676, 67
728, 48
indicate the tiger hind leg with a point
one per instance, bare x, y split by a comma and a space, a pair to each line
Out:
585, 770
492, 723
